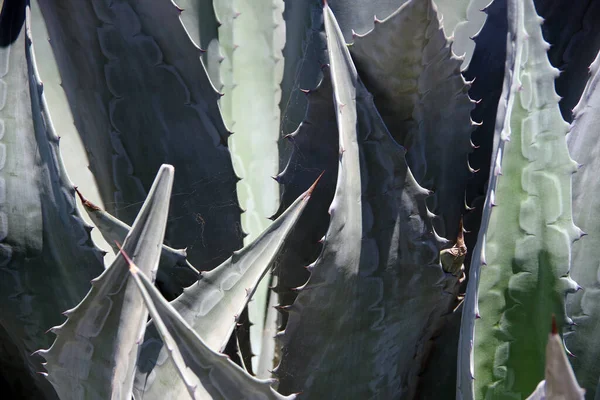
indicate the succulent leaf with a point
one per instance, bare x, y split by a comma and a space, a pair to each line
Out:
573, 32
462, 20
583, 341
250, 108
560, 382
486, 70
315, 151
47, 257
206, 373
519, 272
94, 354
407, 63
212, 305
359, 15
349, 334
174, 271
304, 54
141, 97
200, 22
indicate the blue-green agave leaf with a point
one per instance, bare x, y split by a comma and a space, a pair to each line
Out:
315, 151
304, 53
213, 304
252, 75
141, 97
461, 20
438, 378
305, 50
519, 272
206, 373
47, 257
358, 326
560, 382
584, 307
199, 19
407, 64
573, 32
94, 354
486, 70
174, 271
359, 15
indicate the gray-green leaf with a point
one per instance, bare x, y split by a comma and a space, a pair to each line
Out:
211, 306
47, 257
375, 294
206, 373
94, 354
583, 341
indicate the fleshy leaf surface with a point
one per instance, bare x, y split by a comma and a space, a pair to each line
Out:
174, 271
573, 32
357, 327
206, 373
213, 304
47, 257
560, 382
315, 151
95, 351
519, 272
141, 97
407, 64
583, 341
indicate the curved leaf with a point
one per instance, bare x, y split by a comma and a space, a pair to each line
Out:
212, 306
200, 21
377, 290
140, 97
47, 257
573, 32
519, 270
206, 374
584, 339
407, 63
486, 70
461, 21
93, 356
174, 271
560, 382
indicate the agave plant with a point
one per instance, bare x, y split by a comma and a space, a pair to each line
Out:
438, 173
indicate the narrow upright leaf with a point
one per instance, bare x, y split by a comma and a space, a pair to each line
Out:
519, 272
140, 97
206, 373
358, 327
573, 31
94, 354
201, 24
583, 341
304, 54
252, 71
461, 20
47, 257
174, 271
560, 382
315, 151
407, 63
212, 306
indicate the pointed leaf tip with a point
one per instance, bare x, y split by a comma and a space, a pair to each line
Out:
86, 203
308, 193
132, 267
